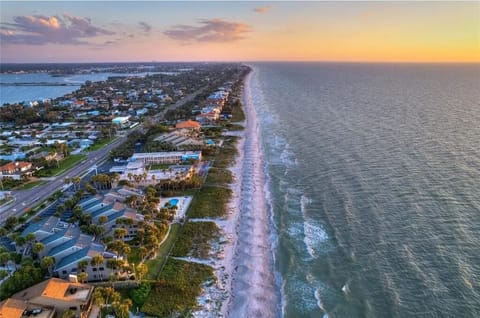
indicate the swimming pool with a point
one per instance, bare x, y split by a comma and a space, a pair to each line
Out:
173, 202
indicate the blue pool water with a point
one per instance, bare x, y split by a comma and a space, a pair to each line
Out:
173, 202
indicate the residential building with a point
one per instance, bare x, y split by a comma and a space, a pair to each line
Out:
68, 246
183, 137
108, 206
121, 121
16, 308
47, 156
189, 124
59, 294
16, 167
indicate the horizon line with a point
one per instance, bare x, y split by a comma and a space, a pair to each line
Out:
253, 61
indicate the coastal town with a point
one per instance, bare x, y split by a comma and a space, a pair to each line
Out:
113, 196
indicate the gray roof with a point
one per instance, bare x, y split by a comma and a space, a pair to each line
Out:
54, 237
89, 251
72, 258
80, 241
115, 216
60, 248
102, 210
46, 225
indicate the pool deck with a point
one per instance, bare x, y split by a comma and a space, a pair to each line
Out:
183, 204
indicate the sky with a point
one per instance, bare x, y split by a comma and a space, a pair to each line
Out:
91, 31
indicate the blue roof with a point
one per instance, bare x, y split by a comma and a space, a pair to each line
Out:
72, 258
91, 204
33, 227
100, 211
49, 223
116, 215
85, 200
62, 247
51, 238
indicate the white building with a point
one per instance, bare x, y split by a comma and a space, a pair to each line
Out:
166, 157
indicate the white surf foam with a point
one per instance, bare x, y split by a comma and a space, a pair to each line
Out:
254, 289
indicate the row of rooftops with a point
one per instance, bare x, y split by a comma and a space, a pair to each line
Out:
67, 244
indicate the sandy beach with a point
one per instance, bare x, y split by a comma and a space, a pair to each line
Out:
244, 263
215, 299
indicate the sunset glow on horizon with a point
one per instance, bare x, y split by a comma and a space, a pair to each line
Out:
239, 31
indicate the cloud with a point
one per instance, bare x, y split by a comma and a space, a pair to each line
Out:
212, 30
262, 9
145, 26
40, 30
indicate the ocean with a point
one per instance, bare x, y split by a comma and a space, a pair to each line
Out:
369, 189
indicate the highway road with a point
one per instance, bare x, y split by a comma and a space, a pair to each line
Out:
24, 199
28, 198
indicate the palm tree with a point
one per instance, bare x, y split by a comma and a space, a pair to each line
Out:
102, 220
82, 265
142, 251
141, 270
122, 308
76, 181
37, 248
119, 233
96, 261
47, 263
67, 180
82, 277
131, 201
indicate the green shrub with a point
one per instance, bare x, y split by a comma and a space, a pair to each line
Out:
179, 284
140, 294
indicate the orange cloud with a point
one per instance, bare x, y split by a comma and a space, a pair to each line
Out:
262, 10
213, 30
40, 30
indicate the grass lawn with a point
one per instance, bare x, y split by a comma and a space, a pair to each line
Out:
100, 144
209, 202
237, 114
29, 185
194, 239
64, 165
175, 293
234, 127
154, 265
221, 177
134, 256
227, 153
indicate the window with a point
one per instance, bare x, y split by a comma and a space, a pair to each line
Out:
94, 269
101, 269
64, 272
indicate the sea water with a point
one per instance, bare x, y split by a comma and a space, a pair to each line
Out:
367, 178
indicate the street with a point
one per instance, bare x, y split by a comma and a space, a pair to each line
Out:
25, 199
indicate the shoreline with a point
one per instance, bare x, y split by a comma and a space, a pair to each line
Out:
215, 300
243, 262
252, 281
